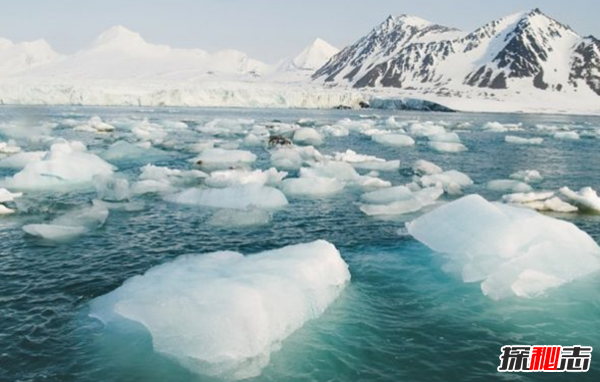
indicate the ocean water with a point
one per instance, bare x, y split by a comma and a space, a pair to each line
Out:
402, 318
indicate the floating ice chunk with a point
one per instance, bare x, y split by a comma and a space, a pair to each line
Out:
147, 131
423, 167
507, 185
447, 147
161, 173
367, 162
66, 164
292, 158
226, 127
335, 130
387, 195
95, 125
239, 197
403, 202
240, 218
7, 196
5, 210
111, 188
313, 187
496, 127
523, 141
527, 197
22, 159
215, 159
228, 178
586, 199
223, 314
527, 176
151, 186
393, 140
511, 251
426, 129
445, 137
201, 146
70, 225
122, 151
9, 148
567, 135
356, 126
308, 136
451, 181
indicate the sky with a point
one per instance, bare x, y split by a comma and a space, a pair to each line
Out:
267, 30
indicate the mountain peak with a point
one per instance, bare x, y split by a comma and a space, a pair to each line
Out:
404, 20
315, 55
118, 35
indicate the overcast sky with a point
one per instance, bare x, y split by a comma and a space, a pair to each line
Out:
265, 29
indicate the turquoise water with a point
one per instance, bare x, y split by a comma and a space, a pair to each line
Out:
401, 319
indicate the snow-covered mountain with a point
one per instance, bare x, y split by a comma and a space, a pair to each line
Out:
119, 54
20, 57
301, 67
516, 53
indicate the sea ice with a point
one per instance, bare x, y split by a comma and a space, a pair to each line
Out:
508, 185
314, 187
22, 159
95, 125
451, 181
393, 140
400, 201
527, 176
223, 314
447, 147
308, 136
367, 162
7, 196
523, 141
218, 159
238, 197
511, 251
423, 167
426, 129
66, 164
70, 225
112, 188
586, 199
228, 178
567, 135
140, 153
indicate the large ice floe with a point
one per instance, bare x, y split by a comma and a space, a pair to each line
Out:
586, 199
236, 197
223, 314
67, 164
511, 251
219, 159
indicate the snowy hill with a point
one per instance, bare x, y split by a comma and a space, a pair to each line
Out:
20, 57
521, 52
119, 53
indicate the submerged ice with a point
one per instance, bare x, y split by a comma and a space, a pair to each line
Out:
511, 251
223, 314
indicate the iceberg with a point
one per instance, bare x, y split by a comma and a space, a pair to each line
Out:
223, 314
423, 167
238, 197
67, 164
567, 136
511, 251
140, 153
367, 162
540, 201
447, 147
